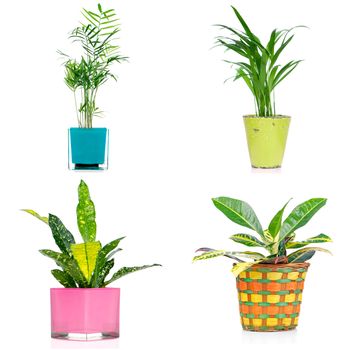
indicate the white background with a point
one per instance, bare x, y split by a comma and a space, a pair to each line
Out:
177, 140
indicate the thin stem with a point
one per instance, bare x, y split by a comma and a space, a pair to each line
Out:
76, 109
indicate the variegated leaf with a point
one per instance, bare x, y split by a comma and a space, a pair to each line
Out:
321, 238
240, 267
104, 273
127, 270
86, 214
232, 255
36, 215
209, 254
86, 255
247, 240
61, 235
64, 278
248, 254
268, 237
305, 254
104, 254
68, 264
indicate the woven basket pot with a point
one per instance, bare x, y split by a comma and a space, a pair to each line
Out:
270, 296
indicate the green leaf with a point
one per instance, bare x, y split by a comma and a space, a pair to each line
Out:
86, 214
35, 214
305, 254
247, 240
64, 278
300, 216
61, 235
276, 222
239, 212
102, 258
99, 282
321, 238
127, 270
68, 264
86, 255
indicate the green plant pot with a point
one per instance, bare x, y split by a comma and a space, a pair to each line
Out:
266, 138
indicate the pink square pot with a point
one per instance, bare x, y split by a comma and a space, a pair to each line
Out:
85, 313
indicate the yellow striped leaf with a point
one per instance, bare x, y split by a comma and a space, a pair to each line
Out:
86, 254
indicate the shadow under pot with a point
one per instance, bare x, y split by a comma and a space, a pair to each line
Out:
85, 313
270, 296
88, 148
266, 138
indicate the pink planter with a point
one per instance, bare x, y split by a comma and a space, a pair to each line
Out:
85, 313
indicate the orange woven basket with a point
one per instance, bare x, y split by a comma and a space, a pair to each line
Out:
270, 296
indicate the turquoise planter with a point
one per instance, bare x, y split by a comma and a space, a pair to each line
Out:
88, 148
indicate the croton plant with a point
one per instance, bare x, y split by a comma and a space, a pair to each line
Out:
87, 264
276, 239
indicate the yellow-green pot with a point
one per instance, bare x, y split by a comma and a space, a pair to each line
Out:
266, 138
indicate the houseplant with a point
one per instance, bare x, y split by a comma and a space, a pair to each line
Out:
84, 309
269, 287
88, 146
260, 69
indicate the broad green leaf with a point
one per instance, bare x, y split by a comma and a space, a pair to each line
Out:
61, 235
86, 214
86, 255
300, 216
239, 212
247, 240
35, 214
64, 278
321, 238
68, 264
127, 270
104, 273
276, 222
304, 254
102, 258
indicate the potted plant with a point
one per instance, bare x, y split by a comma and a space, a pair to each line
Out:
260, 69
269, 287
84, 309
88, 146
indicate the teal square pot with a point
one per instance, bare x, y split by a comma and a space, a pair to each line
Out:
88, 148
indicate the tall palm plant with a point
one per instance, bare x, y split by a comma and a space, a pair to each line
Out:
260, 69
85, 76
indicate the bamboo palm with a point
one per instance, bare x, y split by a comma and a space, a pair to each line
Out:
85, 76
260, 69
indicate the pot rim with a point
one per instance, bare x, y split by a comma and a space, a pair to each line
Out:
93, 128
293, 265
85, 289
277, 116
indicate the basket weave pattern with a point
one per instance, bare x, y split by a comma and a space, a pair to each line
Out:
270, 296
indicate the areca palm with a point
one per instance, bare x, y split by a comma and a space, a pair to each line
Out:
260, 69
